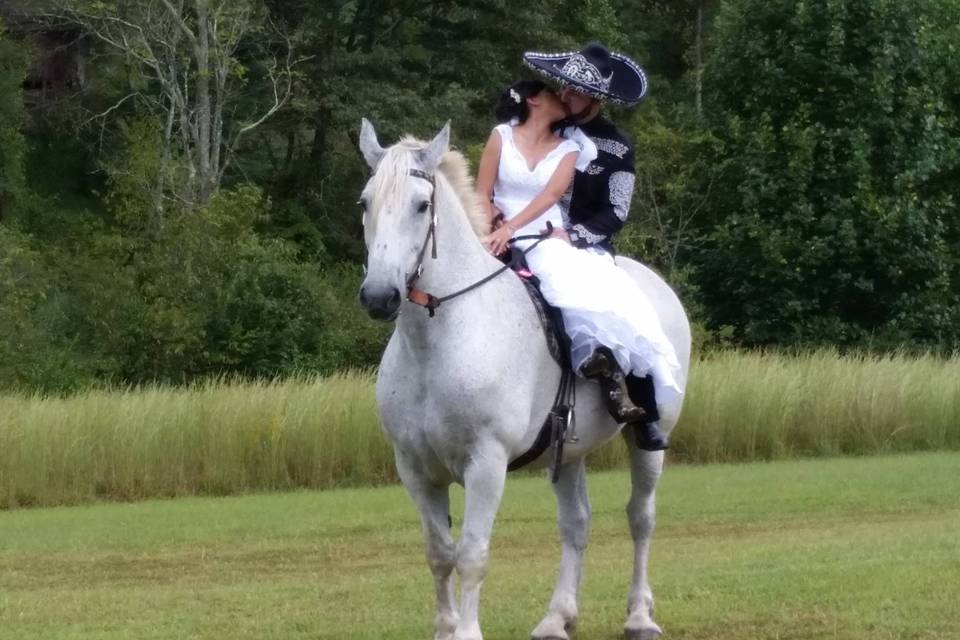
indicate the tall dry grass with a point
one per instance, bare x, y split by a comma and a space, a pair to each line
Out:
217, 438
766, 405
231, 437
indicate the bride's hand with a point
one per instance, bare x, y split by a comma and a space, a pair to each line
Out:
498, 217
496, 242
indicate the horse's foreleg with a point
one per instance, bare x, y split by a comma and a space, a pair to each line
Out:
433, 503
645, 468
483, 488
573, 520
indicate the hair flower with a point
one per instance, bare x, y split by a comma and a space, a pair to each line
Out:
515, 96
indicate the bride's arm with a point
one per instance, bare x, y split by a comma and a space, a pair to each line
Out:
487, 172
557, 185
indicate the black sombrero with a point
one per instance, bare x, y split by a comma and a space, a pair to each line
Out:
595, 71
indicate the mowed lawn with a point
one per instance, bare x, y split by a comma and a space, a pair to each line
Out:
830, 548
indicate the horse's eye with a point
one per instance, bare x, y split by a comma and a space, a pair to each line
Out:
363, 204
423, 206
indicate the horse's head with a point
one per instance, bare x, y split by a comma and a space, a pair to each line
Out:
398, 215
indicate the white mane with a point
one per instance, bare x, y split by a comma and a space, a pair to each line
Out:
398, 161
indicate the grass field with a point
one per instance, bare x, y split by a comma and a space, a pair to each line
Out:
861, 548
224, 438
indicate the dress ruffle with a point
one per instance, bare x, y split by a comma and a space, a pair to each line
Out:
603, 306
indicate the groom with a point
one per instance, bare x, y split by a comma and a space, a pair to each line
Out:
599, 201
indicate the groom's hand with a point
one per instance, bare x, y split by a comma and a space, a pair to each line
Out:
558, 232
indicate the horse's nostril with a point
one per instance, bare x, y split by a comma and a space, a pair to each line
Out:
381, 302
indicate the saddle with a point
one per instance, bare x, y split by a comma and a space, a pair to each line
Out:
561, 418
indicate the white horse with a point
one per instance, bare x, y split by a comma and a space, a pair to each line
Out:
465, 392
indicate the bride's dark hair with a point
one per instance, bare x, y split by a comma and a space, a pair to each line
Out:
513, 101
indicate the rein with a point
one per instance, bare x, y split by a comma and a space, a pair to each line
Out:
429, 301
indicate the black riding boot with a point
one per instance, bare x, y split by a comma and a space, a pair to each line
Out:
603, 367
646, 431
648, 436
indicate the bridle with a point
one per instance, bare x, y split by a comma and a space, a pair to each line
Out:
431, 230
429, 301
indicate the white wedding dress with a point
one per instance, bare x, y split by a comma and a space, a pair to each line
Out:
600, 302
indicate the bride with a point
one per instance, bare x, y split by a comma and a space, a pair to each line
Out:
525, 170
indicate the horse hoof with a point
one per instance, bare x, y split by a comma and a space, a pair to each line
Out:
552, 636
561, 635
553, 627
646, 633
470, 633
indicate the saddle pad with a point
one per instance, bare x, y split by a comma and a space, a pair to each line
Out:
552, 322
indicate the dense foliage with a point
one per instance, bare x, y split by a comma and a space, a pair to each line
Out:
837, 216
190, 211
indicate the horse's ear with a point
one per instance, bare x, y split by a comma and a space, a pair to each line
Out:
369, 146
430, 156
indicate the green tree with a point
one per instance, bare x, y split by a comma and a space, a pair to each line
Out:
13, 70
409, 67
833, 222
196, 67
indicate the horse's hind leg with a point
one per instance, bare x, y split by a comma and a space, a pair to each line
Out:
433, 503
573, 520
645, 468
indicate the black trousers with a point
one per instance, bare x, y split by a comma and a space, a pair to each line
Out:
641, 394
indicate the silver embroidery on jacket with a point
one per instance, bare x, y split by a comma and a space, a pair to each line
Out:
581, 232
611, 146
621, 191
564, 204
594, 169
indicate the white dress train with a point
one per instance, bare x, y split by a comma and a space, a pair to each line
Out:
600, 302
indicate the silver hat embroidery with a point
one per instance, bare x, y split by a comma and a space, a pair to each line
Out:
582, 70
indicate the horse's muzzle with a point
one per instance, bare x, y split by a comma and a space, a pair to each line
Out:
382, 303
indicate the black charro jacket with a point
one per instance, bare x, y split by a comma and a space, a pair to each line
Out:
598, 204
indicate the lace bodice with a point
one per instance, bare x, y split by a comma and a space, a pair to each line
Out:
517, 184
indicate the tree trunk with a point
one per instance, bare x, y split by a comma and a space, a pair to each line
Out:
188, 48
319, 147
204, 112
698, 53
161, 178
